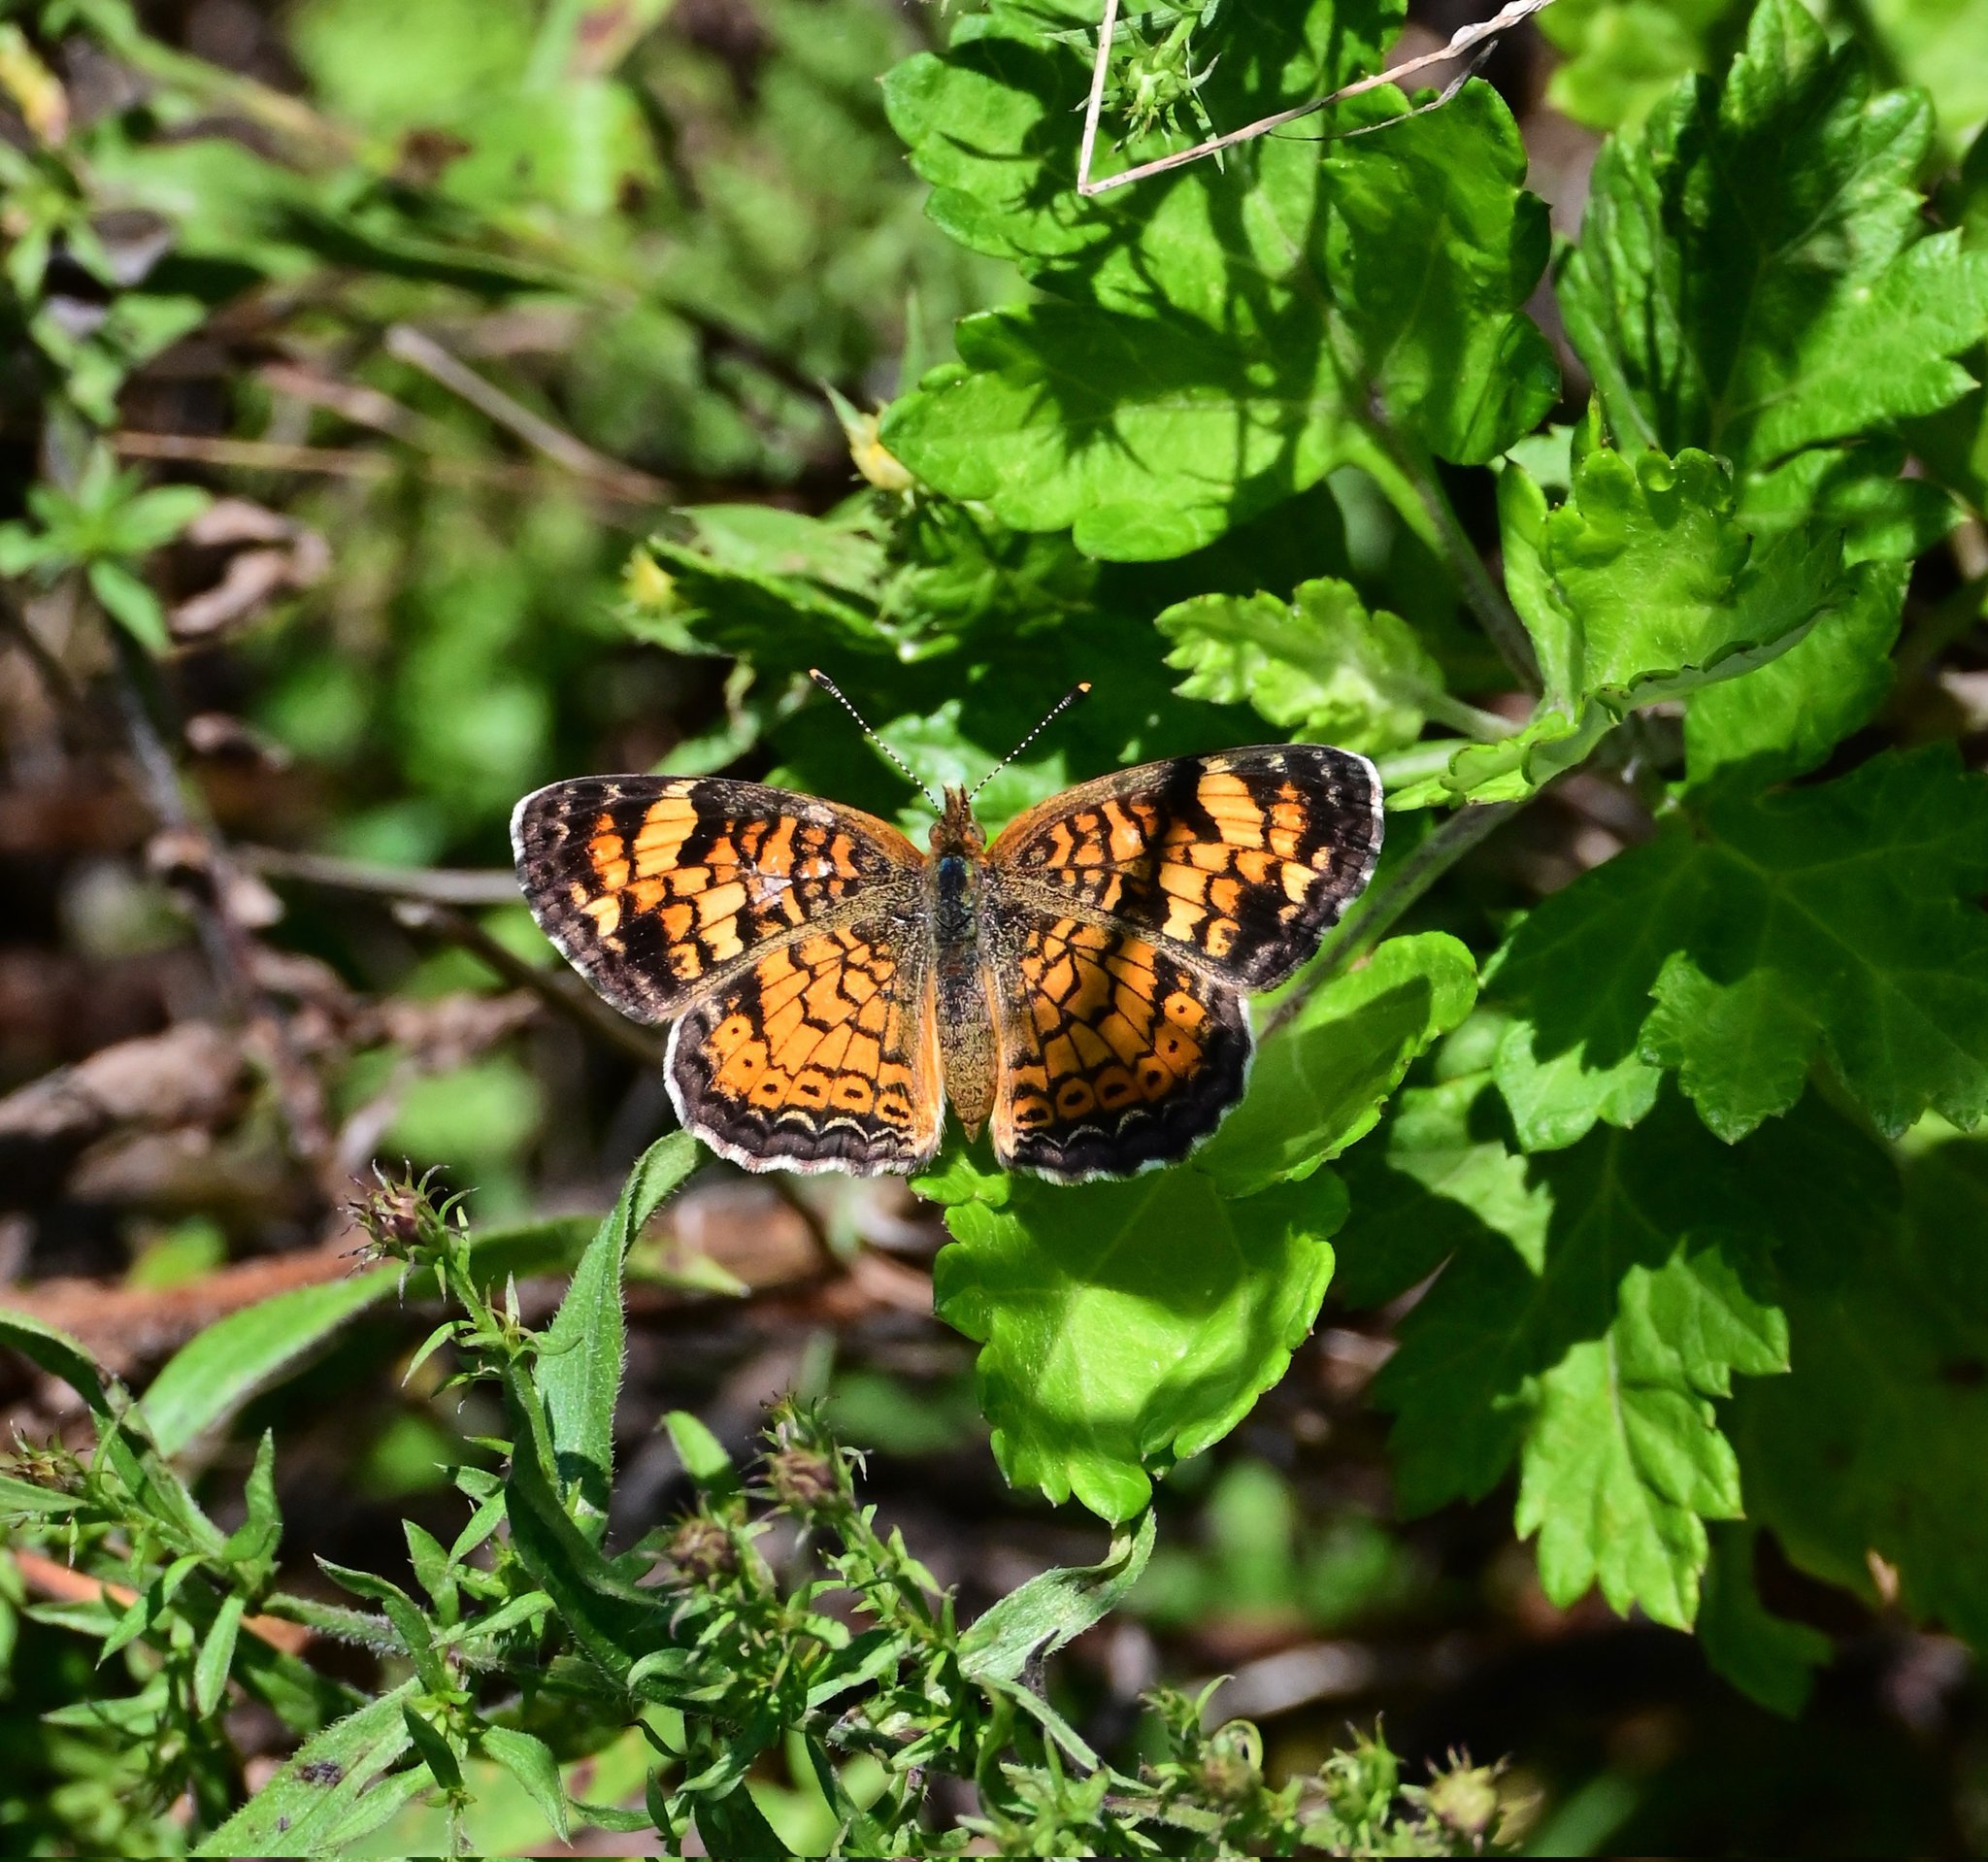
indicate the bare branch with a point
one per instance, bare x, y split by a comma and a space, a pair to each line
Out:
438, 885
410, 346
558, 989
1462, 41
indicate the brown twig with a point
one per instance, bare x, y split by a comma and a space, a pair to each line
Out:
420, 351
210, 889
1462, 41
558, 991
70, 1586
438, 885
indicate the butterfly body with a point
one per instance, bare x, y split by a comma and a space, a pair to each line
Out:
1076, 987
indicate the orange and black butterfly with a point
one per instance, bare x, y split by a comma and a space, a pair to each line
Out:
1076, 986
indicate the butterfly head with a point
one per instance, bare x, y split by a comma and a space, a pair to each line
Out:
956, 831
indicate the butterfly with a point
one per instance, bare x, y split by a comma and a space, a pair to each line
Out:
1076, 987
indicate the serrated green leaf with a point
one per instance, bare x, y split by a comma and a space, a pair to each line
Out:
1873, 1445
1431, 247
1596, 1302
1184, 379
1767, 1657
1783, 719
1319, 666
1126, 1324
1319, 1082
1834, 923
1144, 436
1747, 276
1623, 1460
1641, 587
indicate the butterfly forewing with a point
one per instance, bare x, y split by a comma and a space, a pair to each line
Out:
655, 887
1242, 860
1130, 914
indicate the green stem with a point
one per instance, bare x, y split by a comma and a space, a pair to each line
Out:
1416, 468
1369, 922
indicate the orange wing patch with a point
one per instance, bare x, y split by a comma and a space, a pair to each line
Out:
822, 1055
655, 887
1112, 1054
1243, 860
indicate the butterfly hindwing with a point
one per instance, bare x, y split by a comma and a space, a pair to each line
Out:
822, 1054
1129, 916
1112, 1054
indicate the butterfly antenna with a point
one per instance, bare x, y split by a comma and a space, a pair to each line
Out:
836, 692
1056, 710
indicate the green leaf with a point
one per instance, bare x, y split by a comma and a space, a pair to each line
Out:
1053, 1607
1184, 379
1126, 1324
703, 1455
1834, 922
218, 1370
131, 605
1144, 436
991, 123
1783, 719
58, 1354
733, 1824
1431, 247
298, 1810
1873, 1445
1640, 589
152, 518
1320, 666
578, 1372
1623, 59
217, 1655
530, 1761
1748, 278
1623, 1460
434, 1748
1596, 1303
613, 1623
1767, 1657
1319, 1083
253, 1542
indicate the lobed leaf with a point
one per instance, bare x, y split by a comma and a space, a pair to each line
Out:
1749, 275
1834, 923
1596, 1302
1873, 1446
1319, 666
1125, 1324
